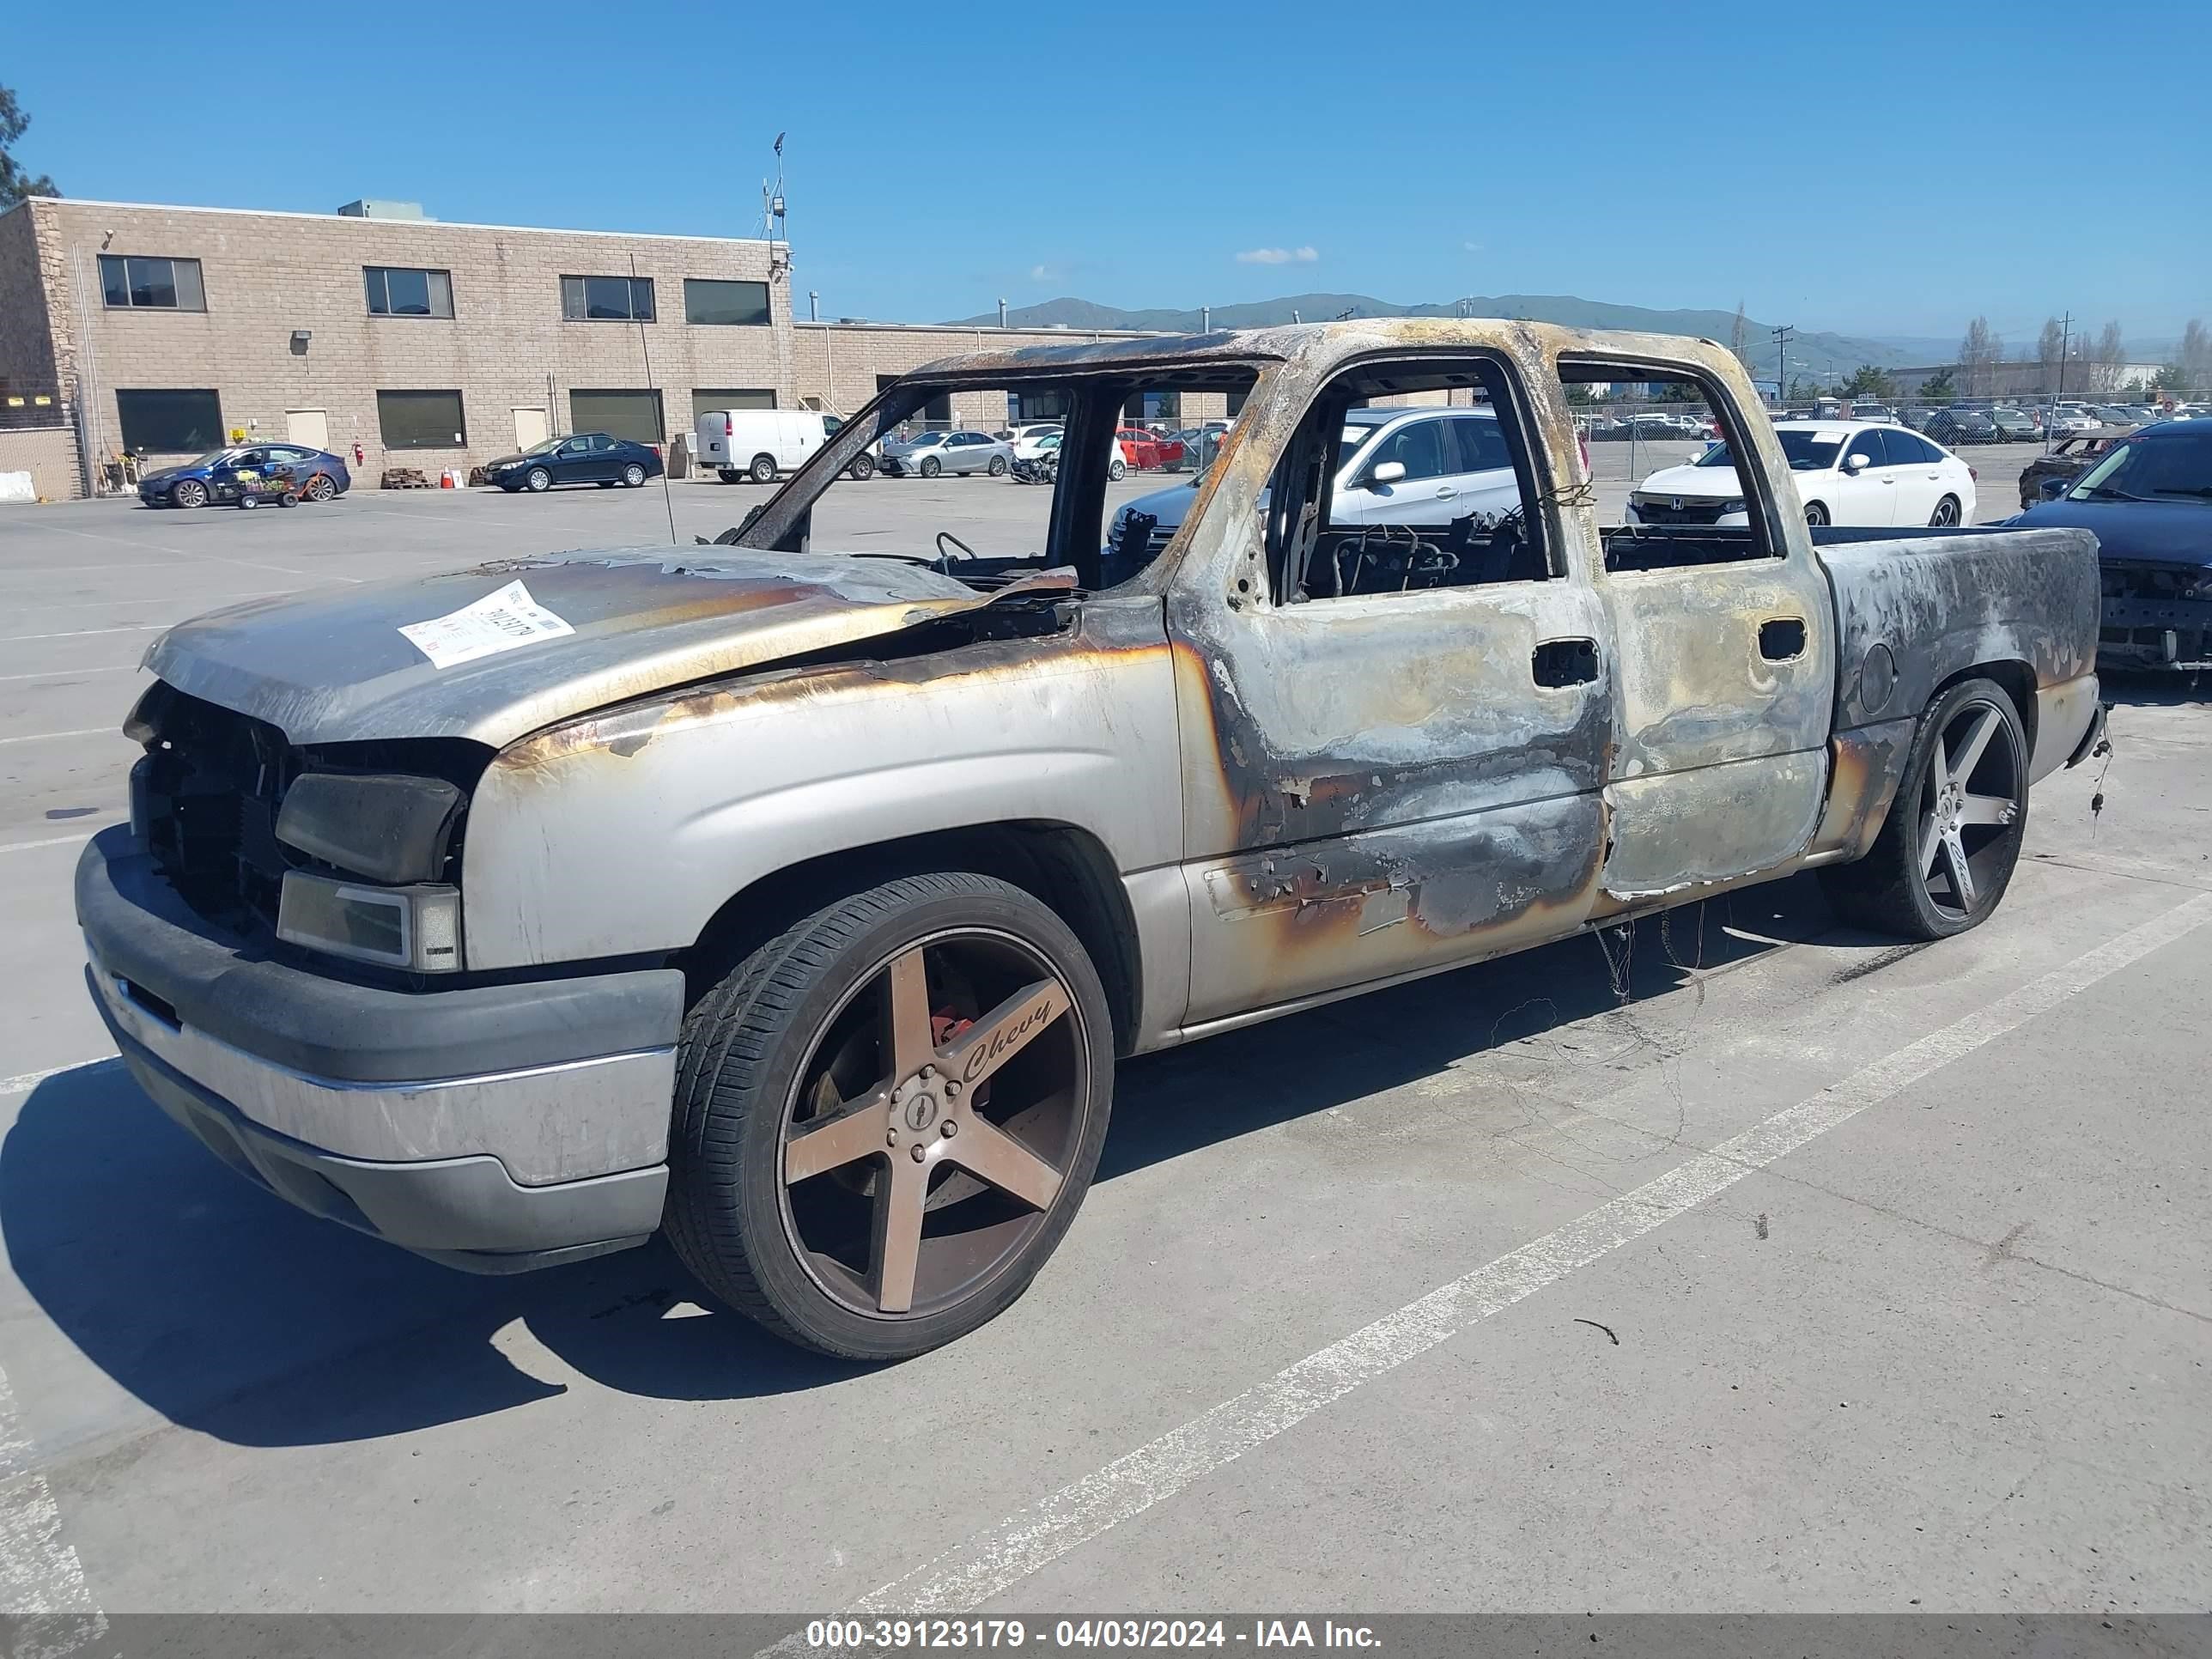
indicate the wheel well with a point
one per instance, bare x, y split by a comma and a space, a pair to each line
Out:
1067, 868
2018, 680
765, 456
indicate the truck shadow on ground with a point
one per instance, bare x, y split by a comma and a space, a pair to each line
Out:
232, 1314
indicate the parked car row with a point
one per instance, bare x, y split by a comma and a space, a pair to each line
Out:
1847, 473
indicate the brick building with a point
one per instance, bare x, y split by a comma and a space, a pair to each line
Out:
160, 331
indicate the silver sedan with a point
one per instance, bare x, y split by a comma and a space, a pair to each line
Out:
934, 453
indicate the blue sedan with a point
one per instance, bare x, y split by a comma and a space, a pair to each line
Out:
321, 477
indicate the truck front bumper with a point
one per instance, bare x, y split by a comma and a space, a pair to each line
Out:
493, 1128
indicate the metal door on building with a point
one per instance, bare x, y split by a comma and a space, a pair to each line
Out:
531, 428
308, 427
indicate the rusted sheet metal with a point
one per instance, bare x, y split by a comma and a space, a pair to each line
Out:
627, 830
1865, 767
327, 667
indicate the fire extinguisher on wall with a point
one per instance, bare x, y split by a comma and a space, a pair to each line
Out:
360, 455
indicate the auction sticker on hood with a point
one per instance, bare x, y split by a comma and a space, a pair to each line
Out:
498, 622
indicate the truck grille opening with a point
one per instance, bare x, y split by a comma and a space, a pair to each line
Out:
206, 797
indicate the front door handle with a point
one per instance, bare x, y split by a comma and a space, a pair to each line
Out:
1563, 662
1445, 492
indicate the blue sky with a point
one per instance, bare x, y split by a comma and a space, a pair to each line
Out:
1872, 178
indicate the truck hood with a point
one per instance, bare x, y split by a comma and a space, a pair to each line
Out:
333, 667
2166, 532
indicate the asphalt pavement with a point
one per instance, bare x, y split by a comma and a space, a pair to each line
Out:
1745, 1262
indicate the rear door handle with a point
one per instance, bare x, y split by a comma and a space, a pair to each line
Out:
1782, 640
1563, 662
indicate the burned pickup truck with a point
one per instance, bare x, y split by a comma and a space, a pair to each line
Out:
799, 902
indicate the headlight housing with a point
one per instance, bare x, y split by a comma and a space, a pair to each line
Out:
416, 928
390, 835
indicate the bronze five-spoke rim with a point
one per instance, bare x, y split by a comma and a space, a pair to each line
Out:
1969, 807
933, 1123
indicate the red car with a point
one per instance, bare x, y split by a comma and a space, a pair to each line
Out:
1148, 452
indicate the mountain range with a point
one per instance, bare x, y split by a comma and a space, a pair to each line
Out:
1811, 350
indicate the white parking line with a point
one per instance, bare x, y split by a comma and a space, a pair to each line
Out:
23, 1083
64, 673
85, 633
964, 1578
48, 736
50, 841
41, 1580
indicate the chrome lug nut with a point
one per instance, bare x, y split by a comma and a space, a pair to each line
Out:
951, 1128
921, 1153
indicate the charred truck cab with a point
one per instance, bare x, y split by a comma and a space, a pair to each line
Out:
798, 901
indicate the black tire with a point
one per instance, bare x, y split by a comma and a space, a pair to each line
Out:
763, 469
1889, 890
538, 481
863, 467
747, 1050
1946, 515
1815, 514
931, 466
321, 487
1116, 470
728, 474
998, 466
190, 493
633, 477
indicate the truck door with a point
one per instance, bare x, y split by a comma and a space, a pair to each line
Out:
1393, 734
1724, 688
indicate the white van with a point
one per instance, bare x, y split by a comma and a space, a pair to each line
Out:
764, 444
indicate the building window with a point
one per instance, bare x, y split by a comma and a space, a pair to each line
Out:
607, 298
169, 422
132, 282
632, 415
1040, 406
706, 397
396, 292
421, 420
739, 304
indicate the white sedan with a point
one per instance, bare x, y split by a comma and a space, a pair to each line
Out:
1846, 473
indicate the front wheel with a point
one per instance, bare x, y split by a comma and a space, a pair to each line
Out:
191, 493
1947, 852
1945, 513
539, 480
931, 466
886, 1118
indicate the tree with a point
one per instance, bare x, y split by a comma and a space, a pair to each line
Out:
1581, 395
1979, 353
15, 183
2051, 349
1939, 387
2195, 359
2172, 378
1802, 391
1736, 332
2111, 359
1867, 382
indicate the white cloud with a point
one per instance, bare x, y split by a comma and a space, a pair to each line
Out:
1044, 273
1277, 256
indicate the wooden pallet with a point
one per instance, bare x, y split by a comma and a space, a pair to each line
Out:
403, 478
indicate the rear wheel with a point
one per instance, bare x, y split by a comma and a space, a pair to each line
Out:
321, 488
863, 467
763, 469
886, 1118
728, 474
1117, 470
1947, 852
998, 466
633, 475
1815, 514
1945, 513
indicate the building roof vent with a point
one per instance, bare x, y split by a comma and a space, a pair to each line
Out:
371, 207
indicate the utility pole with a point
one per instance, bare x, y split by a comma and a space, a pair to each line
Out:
2065, 333
1782, 338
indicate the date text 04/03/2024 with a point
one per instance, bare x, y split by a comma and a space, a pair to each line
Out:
879, 1634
